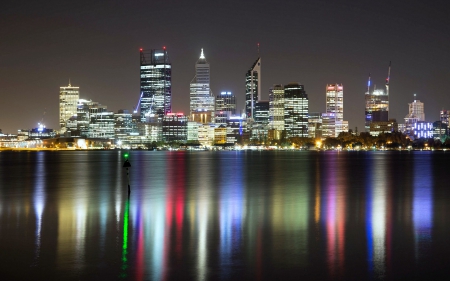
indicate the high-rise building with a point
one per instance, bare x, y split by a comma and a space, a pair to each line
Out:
315, 125
201, 100
328, 125
377, 103
252, 87
335, 100
377, 107
443, 114
156, 84
123, 126
440, 131
295, 110
261, 112
416, 112
68, 100
225, 107
276, 108
174, 127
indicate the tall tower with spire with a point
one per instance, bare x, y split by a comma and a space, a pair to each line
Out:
201, 99
253, 87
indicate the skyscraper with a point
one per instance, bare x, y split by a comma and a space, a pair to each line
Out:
416, 112
443, 115
335, 101
377, 103
156, 84
201, 100
276, 108
295, 110
252, 87
261, 112
68, 100
333, 119
225, 107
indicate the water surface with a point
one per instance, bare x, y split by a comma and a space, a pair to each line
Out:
224, 215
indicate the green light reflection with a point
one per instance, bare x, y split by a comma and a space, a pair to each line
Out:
123, 274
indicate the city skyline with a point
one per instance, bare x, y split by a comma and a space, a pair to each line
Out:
47, 44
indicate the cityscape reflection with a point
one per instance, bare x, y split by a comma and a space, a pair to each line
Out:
222, 215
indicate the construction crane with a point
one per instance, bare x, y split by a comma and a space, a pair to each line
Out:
388, 78
41, 124
139, 102
43, 115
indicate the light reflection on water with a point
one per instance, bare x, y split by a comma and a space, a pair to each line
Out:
422, 206
227, 215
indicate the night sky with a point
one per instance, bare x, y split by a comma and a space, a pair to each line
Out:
96, 44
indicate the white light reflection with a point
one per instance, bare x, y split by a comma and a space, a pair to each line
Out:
72, 213
39, 201
202, 214
119, 190
378, 216
204, 186
154, 212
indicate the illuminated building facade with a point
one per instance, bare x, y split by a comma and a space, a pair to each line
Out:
377, 103
252, 88
235, 131
340, 126
94, 120
225, 107
220, 134
423, 130
156, 83
315, 125
443, 114
201, 100
68, 100
206, 134
440, 131
416, 113
86, 112
41, 132
261, 112
123, 126
377, 107
295, 110
276, 108
102, 125
174, 127
328, 125
335, 100
379, 127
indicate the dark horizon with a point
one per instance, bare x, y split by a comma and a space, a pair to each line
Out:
314, 43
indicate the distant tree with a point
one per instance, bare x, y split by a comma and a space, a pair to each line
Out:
331, 142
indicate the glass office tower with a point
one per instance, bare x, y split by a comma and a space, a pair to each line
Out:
68, 101
252, 88
295, 110
156, 84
